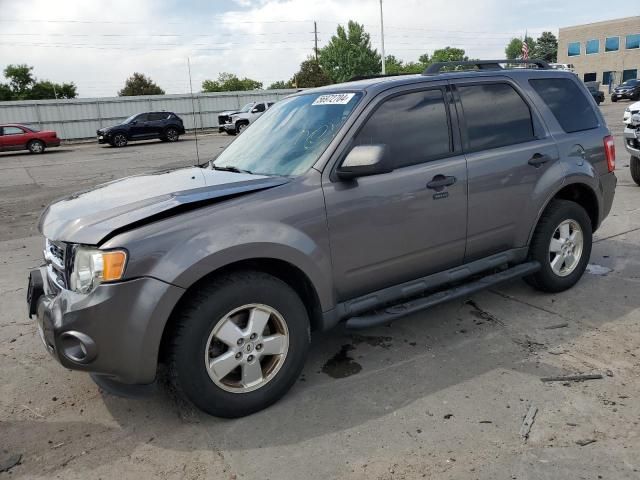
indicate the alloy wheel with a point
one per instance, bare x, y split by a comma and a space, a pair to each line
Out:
565, 248
246, 348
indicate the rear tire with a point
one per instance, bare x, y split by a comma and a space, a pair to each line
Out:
223, 309
634, 166
171, 135
562, 244
36, 146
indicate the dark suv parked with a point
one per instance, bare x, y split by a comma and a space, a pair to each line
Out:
362, 202
166, 126
629, 90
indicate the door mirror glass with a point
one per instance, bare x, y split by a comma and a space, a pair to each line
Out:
364, 160
134, 122
635, 120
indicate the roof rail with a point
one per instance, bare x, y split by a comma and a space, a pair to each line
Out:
484, 65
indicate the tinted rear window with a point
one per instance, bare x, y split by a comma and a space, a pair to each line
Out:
567, 101
495, 116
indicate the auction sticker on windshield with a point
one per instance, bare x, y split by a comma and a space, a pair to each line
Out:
334, 99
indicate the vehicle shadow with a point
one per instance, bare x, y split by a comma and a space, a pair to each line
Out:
47, 152
383, 369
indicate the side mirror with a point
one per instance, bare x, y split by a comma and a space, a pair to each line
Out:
365, 160
134, 122
255, 110
635, 120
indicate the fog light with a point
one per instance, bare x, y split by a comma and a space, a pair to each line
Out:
77, 347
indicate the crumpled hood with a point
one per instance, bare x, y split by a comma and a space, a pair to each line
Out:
88, 217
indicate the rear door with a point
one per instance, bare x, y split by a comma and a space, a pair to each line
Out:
156, 123
508, 150
390, 228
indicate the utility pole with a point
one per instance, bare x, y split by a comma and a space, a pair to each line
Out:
315, 36
193, 111
382, 38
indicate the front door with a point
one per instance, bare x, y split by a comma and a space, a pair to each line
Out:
13, 138
138, 127
508, 151
391, 228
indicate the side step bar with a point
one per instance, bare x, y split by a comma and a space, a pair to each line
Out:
400, 310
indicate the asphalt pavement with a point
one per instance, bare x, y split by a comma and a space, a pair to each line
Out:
442, 394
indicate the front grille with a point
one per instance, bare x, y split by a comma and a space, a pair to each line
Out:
222, 119
55, 256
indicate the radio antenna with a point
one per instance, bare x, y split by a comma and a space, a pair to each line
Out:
193, 109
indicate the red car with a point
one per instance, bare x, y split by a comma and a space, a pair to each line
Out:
19, 137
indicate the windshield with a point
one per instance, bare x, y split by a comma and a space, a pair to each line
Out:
247, 107
630, 83
130, 119
290, 136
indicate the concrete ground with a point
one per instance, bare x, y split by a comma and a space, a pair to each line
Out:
442, 394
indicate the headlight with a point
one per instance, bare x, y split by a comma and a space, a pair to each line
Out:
91, 267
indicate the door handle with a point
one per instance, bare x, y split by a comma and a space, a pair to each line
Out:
539, 159
441, 181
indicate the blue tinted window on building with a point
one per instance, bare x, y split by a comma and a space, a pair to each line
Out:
612, 44
593, 46
633, 41
574, 49
629, 74
607, 78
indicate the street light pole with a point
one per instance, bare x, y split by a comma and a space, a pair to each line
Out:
382, 38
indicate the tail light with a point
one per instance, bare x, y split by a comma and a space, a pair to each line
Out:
610, 152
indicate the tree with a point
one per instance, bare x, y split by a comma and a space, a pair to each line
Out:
310, 75
280, 84
5, 92
139, 84
45, 89
395, 66
349, 54
24, 86
20, 79
513, 49
546, 47
449, 54
229, 82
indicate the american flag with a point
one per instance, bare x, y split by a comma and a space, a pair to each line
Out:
525, 49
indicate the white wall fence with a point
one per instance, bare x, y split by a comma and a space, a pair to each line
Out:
81, 117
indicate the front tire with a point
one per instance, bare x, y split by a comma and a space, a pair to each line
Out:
119, 140
239, 343
562, 244
634, 166
36, 146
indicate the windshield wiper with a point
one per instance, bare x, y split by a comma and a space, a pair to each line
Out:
230, 168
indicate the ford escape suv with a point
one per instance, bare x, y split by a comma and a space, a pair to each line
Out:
361, 202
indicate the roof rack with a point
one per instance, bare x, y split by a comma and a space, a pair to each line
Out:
484, 65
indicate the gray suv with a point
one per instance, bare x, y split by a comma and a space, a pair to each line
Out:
362, 202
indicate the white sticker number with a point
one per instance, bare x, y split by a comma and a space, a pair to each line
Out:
334, 99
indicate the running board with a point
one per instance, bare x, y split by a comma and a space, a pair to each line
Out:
400, 310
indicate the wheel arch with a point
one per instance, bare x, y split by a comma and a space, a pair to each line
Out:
580, 193
292, 275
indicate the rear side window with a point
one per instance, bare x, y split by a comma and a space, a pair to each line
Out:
568, 102
413, 126
495, 116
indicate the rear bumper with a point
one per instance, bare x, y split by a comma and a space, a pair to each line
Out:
608, 184
115, 330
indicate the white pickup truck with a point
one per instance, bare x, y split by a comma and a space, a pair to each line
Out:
235, 122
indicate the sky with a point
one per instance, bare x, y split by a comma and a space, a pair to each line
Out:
98, 44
